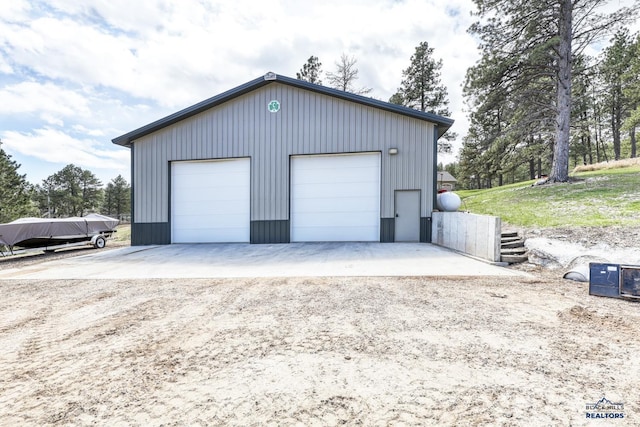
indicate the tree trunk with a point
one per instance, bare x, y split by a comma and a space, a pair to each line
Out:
532, 169
632, 134
596, 117
616, 123
560, 165
587, 135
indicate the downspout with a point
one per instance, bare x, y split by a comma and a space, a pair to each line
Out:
131, 198
435, 168
434, 186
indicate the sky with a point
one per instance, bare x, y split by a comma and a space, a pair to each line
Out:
76, 74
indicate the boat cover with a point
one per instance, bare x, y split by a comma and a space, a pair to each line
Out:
26, 229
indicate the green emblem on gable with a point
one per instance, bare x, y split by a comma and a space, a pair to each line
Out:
274, 106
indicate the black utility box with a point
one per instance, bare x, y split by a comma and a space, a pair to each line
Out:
614, 280
630, 281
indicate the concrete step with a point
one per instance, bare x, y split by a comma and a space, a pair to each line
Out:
510, 234
510, 239
512, 248
514, 259
513, 251
511, 245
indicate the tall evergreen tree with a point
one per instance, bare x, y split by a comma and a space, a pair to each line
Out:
615, 66
632, 93
543, 38
311, 71
583, 115
509, 101
422, 89
72, 191
15, 191
421, 86
117, 197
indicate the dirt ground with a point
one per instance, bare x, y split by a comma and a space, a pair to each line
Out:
314, 351
615, 237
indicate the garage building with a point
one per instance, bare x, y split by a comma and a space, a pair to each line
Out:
279, 160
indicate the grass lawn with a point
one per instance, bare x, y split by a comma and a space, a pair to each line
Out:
595, 198
123, 233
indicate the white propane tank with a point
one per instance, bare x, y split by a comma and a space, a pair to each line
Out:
448, 201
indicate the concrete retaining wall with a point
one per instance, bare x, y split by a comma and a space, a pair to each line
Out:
476, 235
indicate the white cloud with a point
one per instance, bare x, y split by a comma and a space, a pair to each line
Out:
63, 49
55, 146
137, 17
5, 67
191, 50
83, 130
15, 10
48, 100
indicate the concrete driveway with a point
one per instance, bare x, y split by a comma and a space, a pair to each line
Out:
244, 260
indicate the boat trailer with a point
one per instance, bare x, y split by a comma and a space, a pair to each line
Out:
51, 234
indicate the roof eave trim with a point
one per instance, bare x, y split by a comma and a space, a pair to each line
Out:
444, 123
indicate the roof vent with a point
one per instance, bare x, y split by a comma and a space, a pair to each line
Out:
270, 76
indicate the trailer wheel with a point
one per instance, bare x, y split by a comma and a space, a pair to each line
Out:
100, 242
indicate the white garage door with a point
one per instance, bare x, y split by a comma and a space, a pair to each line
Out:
210, 201
335, 198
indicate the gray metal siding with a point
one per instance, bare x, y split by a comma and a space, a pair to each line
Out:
156, 233
270, 231
387, 230
308, 123
425, 230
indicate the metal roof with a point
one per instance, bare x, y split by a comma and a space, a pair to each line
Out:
444, 176
443, 123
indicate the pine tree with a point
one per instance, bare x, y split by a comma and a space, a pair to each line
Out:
72, 191
15, 191
535, 42
311, 71
631, 91
117, 198
422, 89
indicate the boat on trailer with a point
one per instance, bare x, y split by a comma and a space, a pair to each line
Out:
49, 234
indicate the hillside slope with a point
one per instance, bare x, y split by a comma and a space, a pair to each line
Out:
597, 209
598, 198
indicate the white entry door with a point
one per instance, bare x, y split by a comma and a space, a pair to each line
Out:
210, 201
335, 198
